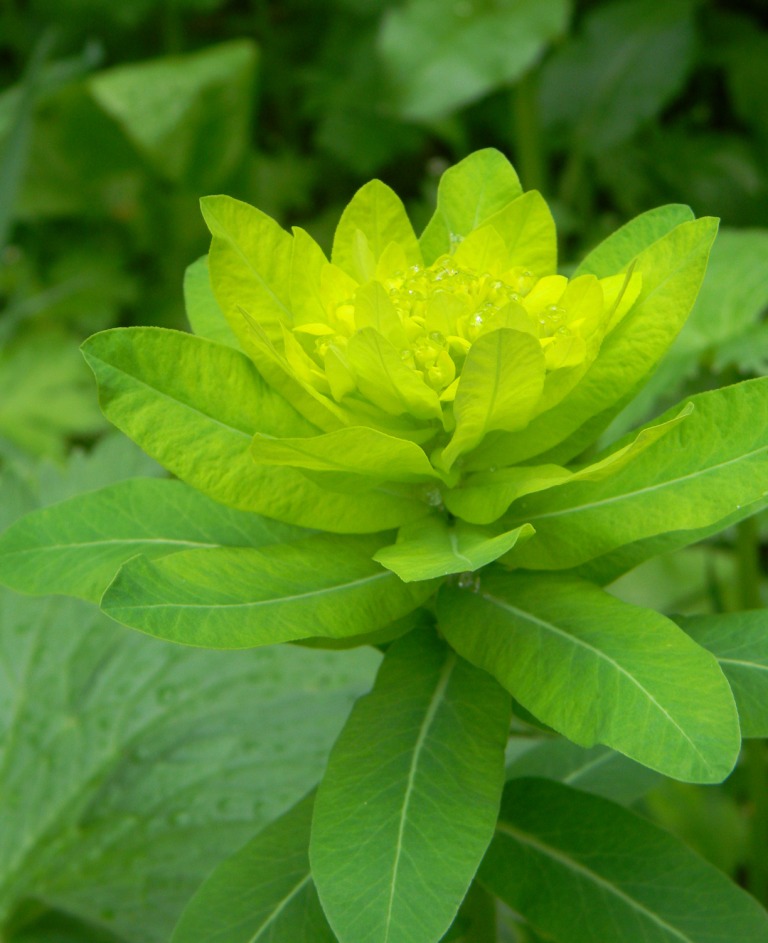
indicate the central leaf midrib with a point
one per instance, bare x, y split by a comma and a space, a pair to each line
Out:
429, 717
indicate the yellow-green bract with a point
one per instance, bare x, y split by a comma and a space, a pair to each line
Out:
426, 360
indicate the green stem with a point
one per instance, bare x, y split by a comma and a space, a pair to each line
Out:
755, 758
756, 763
172, 29
748, 563
525, 115
480, 907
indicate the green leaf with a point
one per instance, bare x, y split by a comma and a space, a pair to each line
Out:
393, 859
528, 230
441, 57
690, 479
484, 496
739, 641
469, 193
672, 270
355, 450
432, 547
129, 767
263, 893
249, 266
598, 770
485, 399
598, 670
239, 598
621, 247
630, 60
164, 389
374, 218
386, 381
203, 312
188, 115
583, 870
76, 547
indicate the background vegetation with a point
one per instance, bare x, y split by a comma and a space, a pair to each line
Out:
115, 758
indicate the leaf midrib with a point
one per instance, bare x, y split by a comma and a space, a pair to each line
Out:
574, 639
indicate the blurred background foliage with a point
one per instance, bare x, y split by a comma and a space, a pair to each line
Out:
116, 117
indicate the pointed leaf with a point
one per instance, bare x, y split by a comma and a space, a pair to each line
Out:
486, 399
431, 547
76, 547
739, 641
528, 229
469, 193
236, 598
672, 270
165, 390
483, 497
583, 870
263, 893
691, 478
386, 381
356, 450
393, 860
617, 251
377, 214
599, 670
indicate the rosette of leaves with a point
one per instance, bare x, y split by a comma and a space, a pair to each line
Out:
396, 446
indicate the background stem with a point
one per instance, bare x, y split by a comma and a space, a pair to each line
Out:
525, 115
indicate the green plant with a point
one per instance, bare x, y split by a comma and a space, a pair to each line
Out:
450, 388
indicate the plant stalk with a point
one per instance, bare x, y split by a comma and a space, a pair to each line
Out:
525, 115
755, 758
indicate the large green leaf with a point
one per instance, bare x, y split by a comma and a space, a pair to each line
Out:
239, 598
672, 270
409, 800
441, 56
469, 193
739, 641
583, 870
188, 115
130, 767
599, 670
263, 893
76, 547
630, 60
432, 547
194, 406
692, 478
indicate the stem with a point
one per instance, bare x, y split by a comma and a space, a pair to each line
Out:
172, 31
525, 116
755, 759
756, 763
480, 907
748, 563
